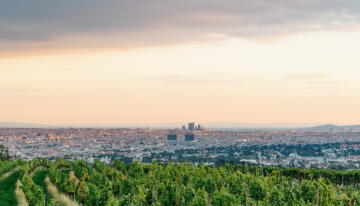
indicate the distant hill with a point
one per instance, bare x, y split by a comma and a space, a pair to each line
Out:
264, 125
209, 125
331, 126
21, 125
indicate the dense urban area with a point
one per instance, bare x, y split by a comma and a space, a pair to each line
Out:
335, 148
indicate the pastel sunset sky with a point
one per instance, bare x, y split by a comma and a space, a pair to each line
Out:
158, 61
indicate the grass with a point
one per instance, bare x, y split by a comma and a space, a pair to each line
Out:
72, 175
62, 199
20, 196
7, 189
40, 177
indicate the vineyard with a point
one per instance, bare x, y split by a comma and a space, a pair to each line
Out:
177, 184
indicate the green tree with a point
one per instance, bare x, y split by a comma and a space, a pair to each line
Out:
4, 153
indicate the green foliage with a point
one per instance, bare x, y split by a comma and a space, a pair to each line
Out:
223, 197
33, 193
257, 190
7, 189
180, 185
39, 179
6, 166
4, 153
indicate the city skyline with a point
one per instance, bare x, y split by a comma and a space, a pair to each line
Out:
181, 126
118, 62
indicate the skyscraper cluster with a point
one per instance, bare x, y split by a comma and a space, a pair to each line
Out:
192, 127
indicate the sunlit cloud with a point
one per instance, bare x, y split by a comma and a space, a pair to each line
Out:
38, 27
64, 69
326, 82
183, 80
306, 76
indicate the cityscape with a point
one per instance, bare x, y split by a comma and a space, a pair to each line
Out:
185, 144
179, 103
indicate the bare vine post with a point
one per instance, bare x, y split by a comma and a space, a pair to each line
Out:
247, 194
74, 187
317, 196
350, 182
208, 200
353, 181
153, 196
46, 198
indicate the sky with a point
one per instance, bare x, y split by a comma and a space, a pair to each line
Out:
157, 61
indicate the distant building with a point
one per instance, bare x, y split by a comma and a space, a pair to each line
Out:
183, 128
199, 127
172, 137
189, 136
191, 126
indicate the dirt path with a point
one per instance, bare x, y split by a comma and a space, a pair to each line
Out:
62, 199
20, 196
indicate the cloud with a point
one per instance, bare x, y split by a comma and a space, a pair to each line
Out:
315, 79
183, 80
166, 77
306, 76
66, 25
326, 82
64, 69
8, 92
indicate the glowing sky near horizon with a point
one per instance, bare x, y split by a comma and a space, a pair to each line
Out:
204, 63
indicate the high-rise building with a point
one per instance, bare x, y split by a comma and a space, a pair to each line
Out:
183, 128
189, 136
172, 136
191, 126
199, 127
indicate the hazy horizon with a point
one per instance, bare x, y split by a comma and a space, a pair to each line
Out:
121, 62
175, 125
